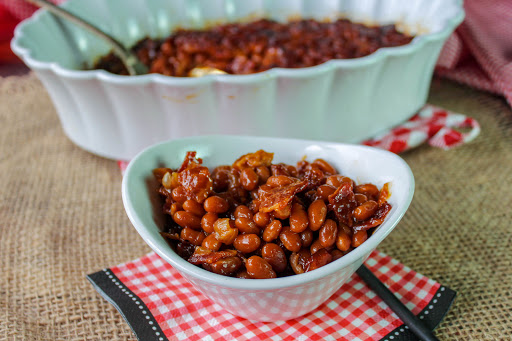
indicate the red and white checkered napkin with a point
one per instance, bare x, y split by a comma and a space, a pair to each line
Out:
431, 124
159, 304
478, 53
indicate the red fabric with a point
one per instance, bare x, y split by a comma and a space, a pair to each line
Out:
183, 313
479, 53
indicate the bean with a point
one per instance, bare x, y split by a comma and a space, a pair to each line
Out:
263, 173
345, 228
211, 243
216, 204
317, 212
307, 237
187, 219
243, 211
315, 246
279, 181
179, 195
336, 254
290, 239
328, 233
242, 274
193, 207
319, 259
275, 256
207, 222
192, 236
227, 266
324, 191
246, 225
298, 218
175, 207
259, 268
360, 198
343, 241
272, 230
225, 230
365, 211
261, 219
249, 179
247, 243
325, 166
370, 190
298, 259
220, 177
359, 238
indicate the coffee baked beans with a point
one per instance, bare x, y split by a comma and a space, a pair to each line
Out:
245, 48
256, 219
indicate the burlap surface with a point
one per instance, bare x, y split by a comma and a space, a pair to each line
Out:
61, 217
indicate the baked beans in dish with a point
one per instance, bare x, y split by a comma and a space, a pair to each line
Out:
258, 219
245, 48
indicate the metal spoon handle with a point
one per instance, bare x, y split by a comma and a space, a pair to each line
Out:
129, 59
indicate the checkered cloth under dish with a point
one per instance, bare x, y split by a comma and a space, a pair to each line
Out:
159, 304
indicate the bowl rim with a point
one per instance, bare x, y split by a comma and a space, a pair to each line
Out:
181, 265
382, 53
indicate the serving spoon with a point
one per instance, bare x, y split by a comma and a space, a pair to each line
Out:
128, 57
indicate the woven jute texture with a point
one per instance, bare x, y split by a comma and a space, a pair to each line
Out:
61, 217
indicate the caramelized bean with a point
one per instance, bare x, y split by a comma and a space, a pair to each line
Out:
263, 173
247, 243
324, 191
296, 263
359, 238
261, 219
365, 211
272, 230
328, 233
290, 239
249, 179
211, 243
225, 230
192, 236
360, 198
275, 256
316, 246
336, 254
216, 204
187, 219
370, 190
325, 166
193, 207
279, 181
259, 268
343, 241
207, 222
175, 207
226, 266
179, 195
307, 237
243, 211
246, 225
317, 212
319, 259
220, 177
298, 218
242, 274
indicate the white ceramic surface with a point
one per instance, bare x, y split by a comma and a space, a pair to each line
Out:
265, 299
341, 100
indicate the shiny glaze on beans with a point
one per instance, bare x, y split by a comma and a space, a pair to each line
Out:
259, 45
256, 219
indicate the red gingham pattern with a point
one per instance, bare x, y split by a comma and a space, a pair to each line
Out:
21, 9
478, 53
432, 124
184, 313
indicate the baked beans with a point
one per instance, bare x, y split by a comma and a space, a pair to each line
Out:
245, 48
256, 219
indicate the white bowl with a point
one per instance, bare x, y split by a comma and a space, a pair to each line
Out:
341, 100
265, 299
